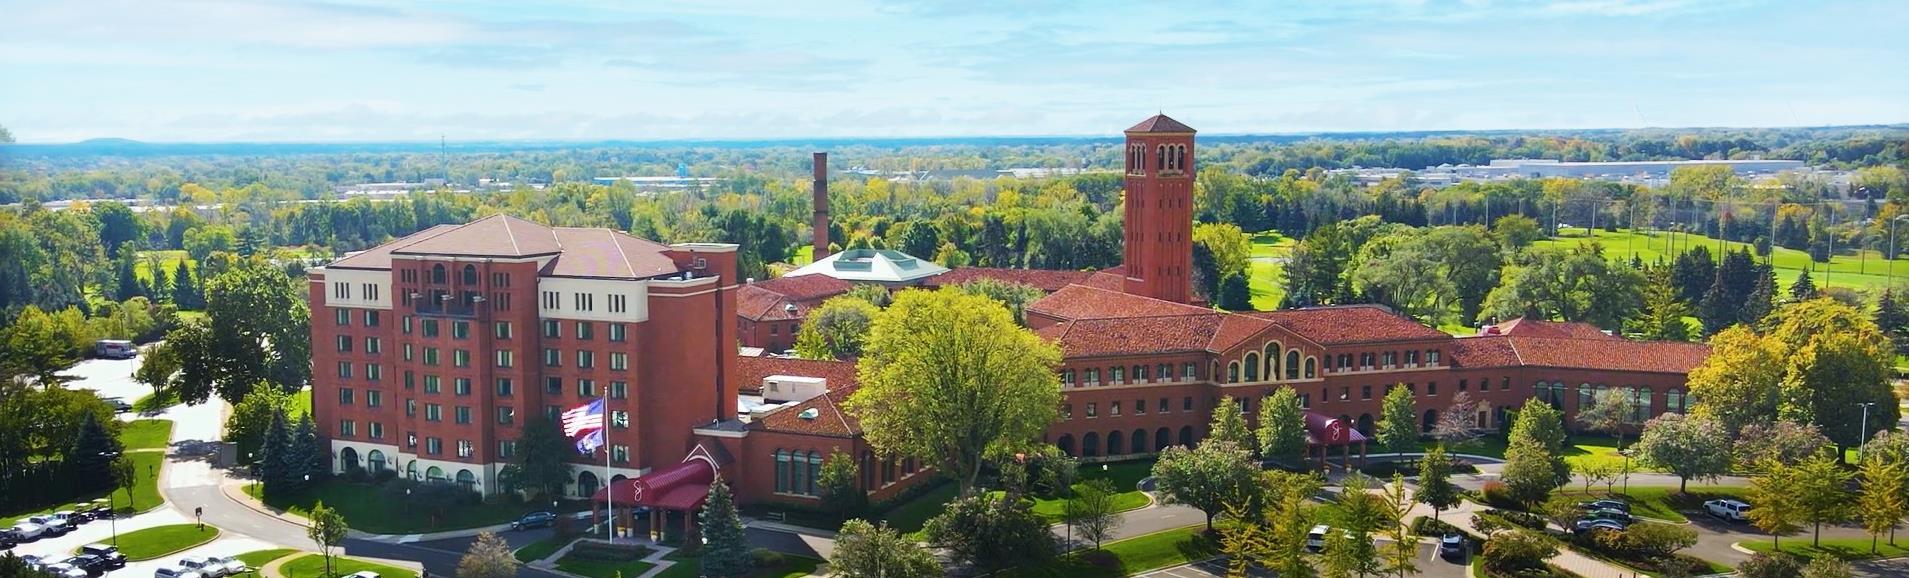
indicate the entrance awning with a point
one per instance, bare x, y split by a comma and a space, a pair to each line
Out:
1329, 431
681, 486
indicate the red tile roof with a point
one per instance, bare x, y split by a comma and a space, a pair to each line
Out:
1523, 327
1083, 302
1160, 123
1133, 335
1350, 324
770, 300
1049, 280
1483, 352
577, 252
830, 419
1571, 353
752, 370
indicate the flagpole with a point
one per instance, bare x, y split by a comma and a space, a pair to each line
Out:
609, 493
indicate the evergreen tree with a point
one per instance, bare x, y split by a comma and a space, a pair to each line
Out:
1663, 315
543, 455
275, 459
91, 460
1718, 310
1206, 273
725, 548
1235, 294
1692, 274
1803, 288
1398, 421
158, 284
308, 450
1893, 319
1229, 423
129, 285
1762, 298
187, 295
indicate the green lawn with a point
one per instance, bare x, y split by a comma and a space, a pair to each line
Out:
146, 434
370, 509
1660, 502
690, 566
157, 541
541, 549
1844, 548
910, 516
1867, 270
1584, 450
153, 403
168, 259
145, 491
302, 401
1127, 557
1265, 269
575, 564
313, 566
259, 558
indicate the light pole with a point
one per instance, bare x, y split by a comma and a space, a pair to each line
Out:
1862, 435
1627, 469
112, 503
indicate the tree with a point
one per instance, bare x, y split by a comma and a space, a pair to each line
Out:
275, 459
1893, 319
1015, 296
1663, 315
1692, 273
156, 370
1398, 421
1578, 284
1516, 232
1778, 511
1881, 506
543, 458
1401, 554
1235, 293
837, 484
1688, 446
1837, 360
312, 457
488, 557
1229, 423
1510, 552
252, 418
1282, 426
991, 532
948, 377
1827, 567
1435, 487
36, 348
1560, 509
1770, 565
1822, 493
1803, 288
1737, 383
1206, 478
1528, 472
725, 548
1288, 517
1785, 442
90, 462
259, 331
186, 291
125, 476
863, 550
1540, 422
1610, 410
1458, 424
1349, 550
836, 329
328, 530
1091, 511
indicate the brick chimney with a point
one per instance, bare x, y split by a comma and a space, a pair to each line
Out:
821, 249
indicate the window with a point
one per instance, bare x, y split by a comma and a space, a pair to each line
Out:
410, 408
1093, 409
1504, 383
344, 370
430, 356
500, 279
1164, 372
620, 418
343, 317
437, 273
619, 390
461, 386
431, 384
463, 414
1305, 400
1113, 409
408, 354
344, 396
433, 412
1067, 377
465, 448
1139, 406
618, 331
1365, 392
374, 398
507, 449
344, 344
619, 303
552, 357
1093, 377
774, 329
501, 330
347, 428
460, 330
1187, 372
1431, 357
1186, 403
553, 328
1431, 388
1391, 358
1067, 411
504, 358
460, 358
585, 330
1117, 375
430, 328
586, 388
1163, 405
1365, 362
1674, 400
377, 430
372, 318
433, 446
620, 454
782, 471
553, 385
583, 301
586, 359
1411, 357
1140, 374
1463, 384
407, 325
1345, 393
504, 387
373, 345
552, 300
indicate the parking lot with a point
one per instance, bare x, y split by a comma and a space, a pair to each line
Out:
1429, 565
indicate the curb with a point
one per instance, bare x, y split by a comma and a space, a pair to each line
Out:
790, 528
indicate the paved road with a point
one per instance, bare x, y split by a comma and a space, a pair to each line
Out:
1430, 565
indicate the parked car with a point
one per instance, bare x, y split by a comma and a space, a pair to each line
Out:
363, 574
7, 540
72, 517
1316, 538
233, 566
99, 509
204, 566
176, 573
534, 520
115, 349
107, 553
32, 561
93, 565
28, 531
65, 569
1620, 506
119, 405
1588, 526
1732, 510
54, 526
1452, 546
1611, 515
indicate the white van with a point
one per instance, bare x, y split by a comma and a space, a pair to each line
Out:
115, 349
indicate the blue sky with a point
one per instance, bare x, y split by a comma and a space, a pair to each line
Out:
291, 70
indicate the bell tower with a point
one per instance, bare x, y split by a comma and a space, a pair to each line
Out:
1159, 210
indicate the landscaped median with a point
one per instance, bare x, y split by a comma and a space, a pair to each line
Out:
385, 509
146, 434
1661, 502
160, 541
259, 558
1127, 557
541, 549
1839, 548
767, 566
313, 566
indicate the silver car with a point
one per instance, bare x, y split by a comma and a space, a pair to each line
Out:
208, 567
28, 531
64, 570
176, 573
232, 566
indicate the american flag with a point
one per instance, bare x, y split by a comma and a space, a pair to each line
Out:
585, 425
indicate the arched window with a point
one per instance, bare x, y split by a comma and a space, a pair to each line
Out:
1160, 157
798, 473
1233, 372
1252, 366
411, 470
470, 274
1292, 364
868, 469
1674, 400
375, 461
1090, 444
586, 485
437, 273
434, 474
348, 457
1272, 359
1139, 441
467, 480
1643, 396
782, 471
1312, 367
815, 469
1365, 424
1431, 420
1186, 436
1115, 444
1181, 163
1066, 444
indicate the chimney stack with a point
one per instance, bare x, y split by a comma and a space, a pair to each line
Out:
821, 249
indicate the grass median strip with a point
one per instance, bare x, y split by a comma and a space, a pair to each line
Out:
146, 434
259, 558
541, 549
160, 541
313, 566
1127, 557
1839, 548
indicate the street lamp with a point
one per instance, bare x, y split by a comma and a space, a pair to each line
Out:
1627, 469
112, 503
1862, 435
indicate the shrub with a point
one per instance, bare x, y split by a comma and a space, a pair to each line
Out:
1516, 551
384, 476
1425, 526
1498, 495
766, 558
564, 526
355, 474
1516, 518
603, 551
1763, 565
1656, 540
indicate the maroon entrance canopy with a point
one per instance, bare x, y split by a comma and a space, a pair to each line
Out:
677, 487
1322, 430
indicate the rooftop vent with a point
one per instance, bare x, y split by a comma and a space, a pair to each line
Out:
808, 414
